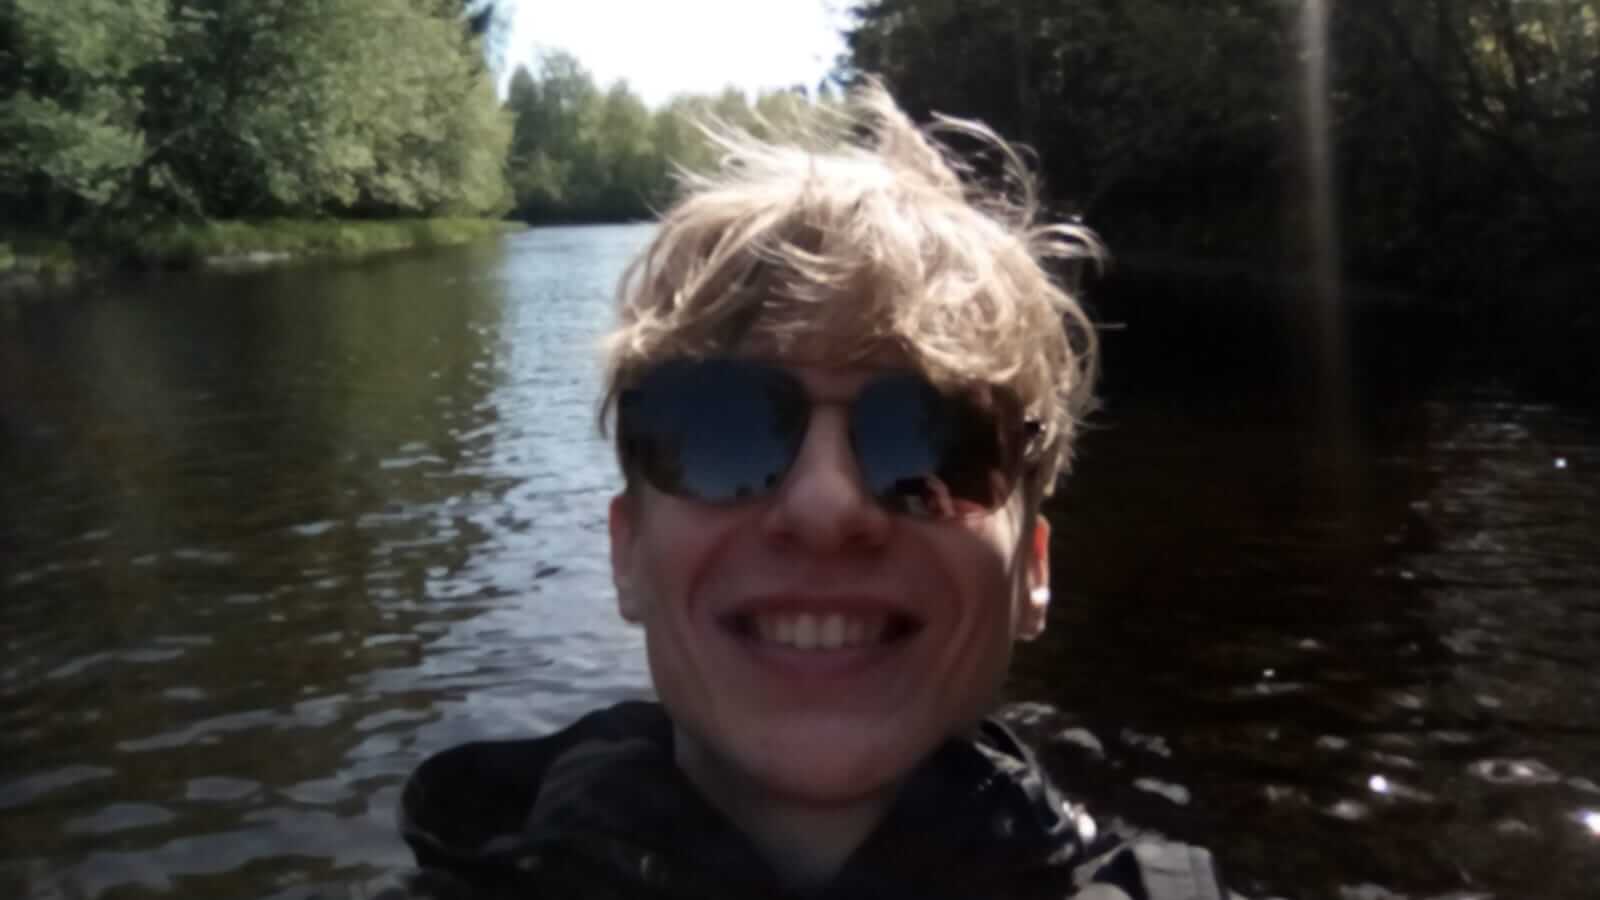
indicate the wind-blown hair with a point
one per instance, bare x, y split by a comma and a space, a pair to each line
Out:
860, 235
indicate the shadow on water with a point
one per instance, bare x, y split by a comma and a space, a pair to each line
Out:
1361, 671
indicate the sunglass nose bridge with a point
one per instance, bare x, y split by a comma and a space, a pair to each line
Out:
823, 500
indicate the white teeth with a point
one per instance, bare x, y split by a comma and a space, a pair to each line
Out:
830, 635
805, 632
833, 631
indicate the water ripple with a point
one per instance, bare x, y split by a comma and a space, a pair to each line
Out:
31, 787
119, 817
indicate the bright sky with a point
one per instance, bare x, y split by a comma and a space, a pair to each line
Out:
667, 47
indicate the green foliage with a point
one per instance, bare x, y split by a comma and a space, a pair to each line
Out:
69, 131
1467, 132
182, 245
123, 115
1472, 128
31, 255
198, 109
579, 153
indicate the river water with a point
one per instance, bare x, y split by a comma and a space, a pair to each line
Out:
267, 539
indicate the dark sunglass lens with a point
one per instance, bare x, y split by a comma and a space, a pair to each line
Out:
717, 430
928, 454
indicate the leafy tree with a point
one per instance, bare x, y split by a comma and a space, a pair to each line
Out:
633, 171
236, 108
321, 111
69, 117
1475, 121
582, 154
1465, 130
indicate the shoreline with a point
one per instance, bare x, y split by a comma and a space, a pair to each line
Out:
1549, 310
32, 263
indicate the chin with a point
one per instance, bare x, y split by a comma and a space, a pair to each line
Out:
819, 766
826, 785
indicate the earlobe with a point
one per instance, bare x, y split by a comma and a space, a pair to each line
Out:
1034, 614
1036, 608
621, 525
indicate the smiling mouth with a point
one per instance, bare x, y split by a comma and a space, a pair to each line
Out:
823, 631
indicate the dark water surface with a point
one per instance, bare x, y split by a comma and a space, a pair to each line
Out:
266, 540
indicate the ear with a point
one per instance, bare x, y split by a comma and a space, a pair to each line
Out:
1036, 605
623, 532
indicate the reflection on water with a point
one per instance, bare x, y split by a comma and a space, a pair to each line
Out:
269, 539
1381, 690
272, 538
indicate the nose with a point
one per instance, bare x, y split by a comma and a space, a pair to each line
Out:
822, 504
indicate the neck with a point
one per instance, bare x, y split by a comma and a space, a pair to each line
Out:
805, 843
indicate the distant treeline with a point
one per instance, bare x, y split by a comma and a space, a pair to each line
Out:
116, 114
580, 153
129, 111
1466, 133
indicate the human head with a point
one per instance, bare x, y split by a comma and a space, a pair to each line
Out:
862, 226
857, 243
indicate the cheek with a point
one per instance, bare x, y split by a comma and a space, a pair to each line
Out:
677, 551
993, 541
986, 567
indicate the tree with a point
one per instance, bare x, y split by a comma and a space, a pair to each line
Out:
578, 153
582, 154
233, 108
69, 122
1464, 130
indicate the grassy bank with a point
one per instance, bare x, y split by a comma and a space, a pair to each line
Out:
183, 245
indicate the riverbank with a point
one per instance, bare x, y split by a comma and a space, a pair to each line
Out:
31, 261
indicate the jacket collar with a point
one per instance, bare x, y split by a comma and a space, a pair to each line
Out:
978, 809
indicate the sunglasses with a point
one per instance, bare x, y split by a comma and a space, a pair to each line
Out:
723, 431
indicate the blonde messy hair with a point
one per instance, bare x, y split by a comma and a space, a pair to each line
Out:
860, 233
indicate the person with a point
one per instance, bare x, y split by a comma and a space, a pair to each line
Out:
843, 383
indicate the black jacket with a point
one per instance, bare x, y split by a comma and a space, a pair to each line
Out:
599, 810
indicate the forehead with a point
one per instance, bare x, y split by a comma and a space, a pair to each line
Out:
828, 373
831, 365
842, 334
827, 381
833, 382
809, 334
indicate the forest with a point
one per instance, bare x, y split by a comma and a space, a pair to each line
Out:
582, 153
1464, 135
132, 111
168, 129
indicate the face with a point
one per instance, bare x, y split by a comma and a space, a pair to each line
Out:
812, 642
